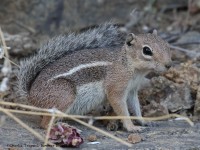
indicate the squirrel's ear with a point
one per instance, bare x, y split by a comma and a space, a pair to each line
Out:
130, 39
155, 32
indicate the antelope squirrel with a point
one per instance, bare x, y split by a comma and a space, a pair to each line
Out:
78, 72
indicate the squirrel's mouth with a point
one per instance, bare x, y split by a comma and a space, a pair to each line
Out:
161, 69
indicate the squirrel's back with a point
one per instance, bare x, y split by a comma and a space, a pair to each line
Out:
106, 35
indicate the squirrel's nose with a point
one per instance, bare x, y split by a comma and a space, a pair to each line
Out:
168, 65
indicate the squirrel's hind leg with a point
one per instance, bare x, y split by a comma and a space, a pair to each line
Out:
59, 94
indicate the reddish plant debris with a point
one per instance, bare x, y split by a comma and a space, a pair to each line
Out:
65, 135
134, 138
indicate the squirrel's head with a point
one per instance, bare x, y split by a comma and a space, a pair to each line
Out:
148, 52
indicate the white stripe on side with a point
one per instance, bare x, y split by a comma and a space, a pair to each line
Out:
82, 66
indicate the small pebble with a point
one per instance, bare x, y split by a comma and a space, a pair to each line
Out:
92, 138
134, 138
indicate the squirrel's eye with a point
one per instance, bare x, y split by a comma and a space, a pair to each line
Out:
147, 51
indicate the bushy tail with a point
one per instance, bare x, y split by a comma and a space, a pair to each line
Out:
106, 35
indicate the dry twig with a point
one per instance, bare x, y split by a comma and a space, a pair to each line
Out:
7, 68
186, 51
49, 129
47, 112
30, 29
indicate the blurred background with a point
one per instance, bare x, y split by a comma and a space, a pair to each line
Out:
27, 24
43, 19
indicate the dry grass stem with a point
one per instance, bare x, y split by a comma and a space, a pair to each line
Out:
49, 129
23, 106
186, 51
3, 44
4, 54
5, 51
28, 28
89, 117
11, 61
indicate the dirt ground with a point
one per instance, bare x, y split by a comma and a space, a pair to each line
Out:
165, 135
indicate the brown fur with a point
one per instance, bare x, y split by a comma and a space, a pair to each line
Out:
117, 79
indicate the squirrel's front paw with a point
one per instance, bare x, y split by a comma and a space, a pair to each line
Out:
131, 128
135, 129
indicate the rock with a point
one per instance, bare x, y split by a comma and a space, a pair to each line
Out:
178, 99
155, 110
165, 95
187, 73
